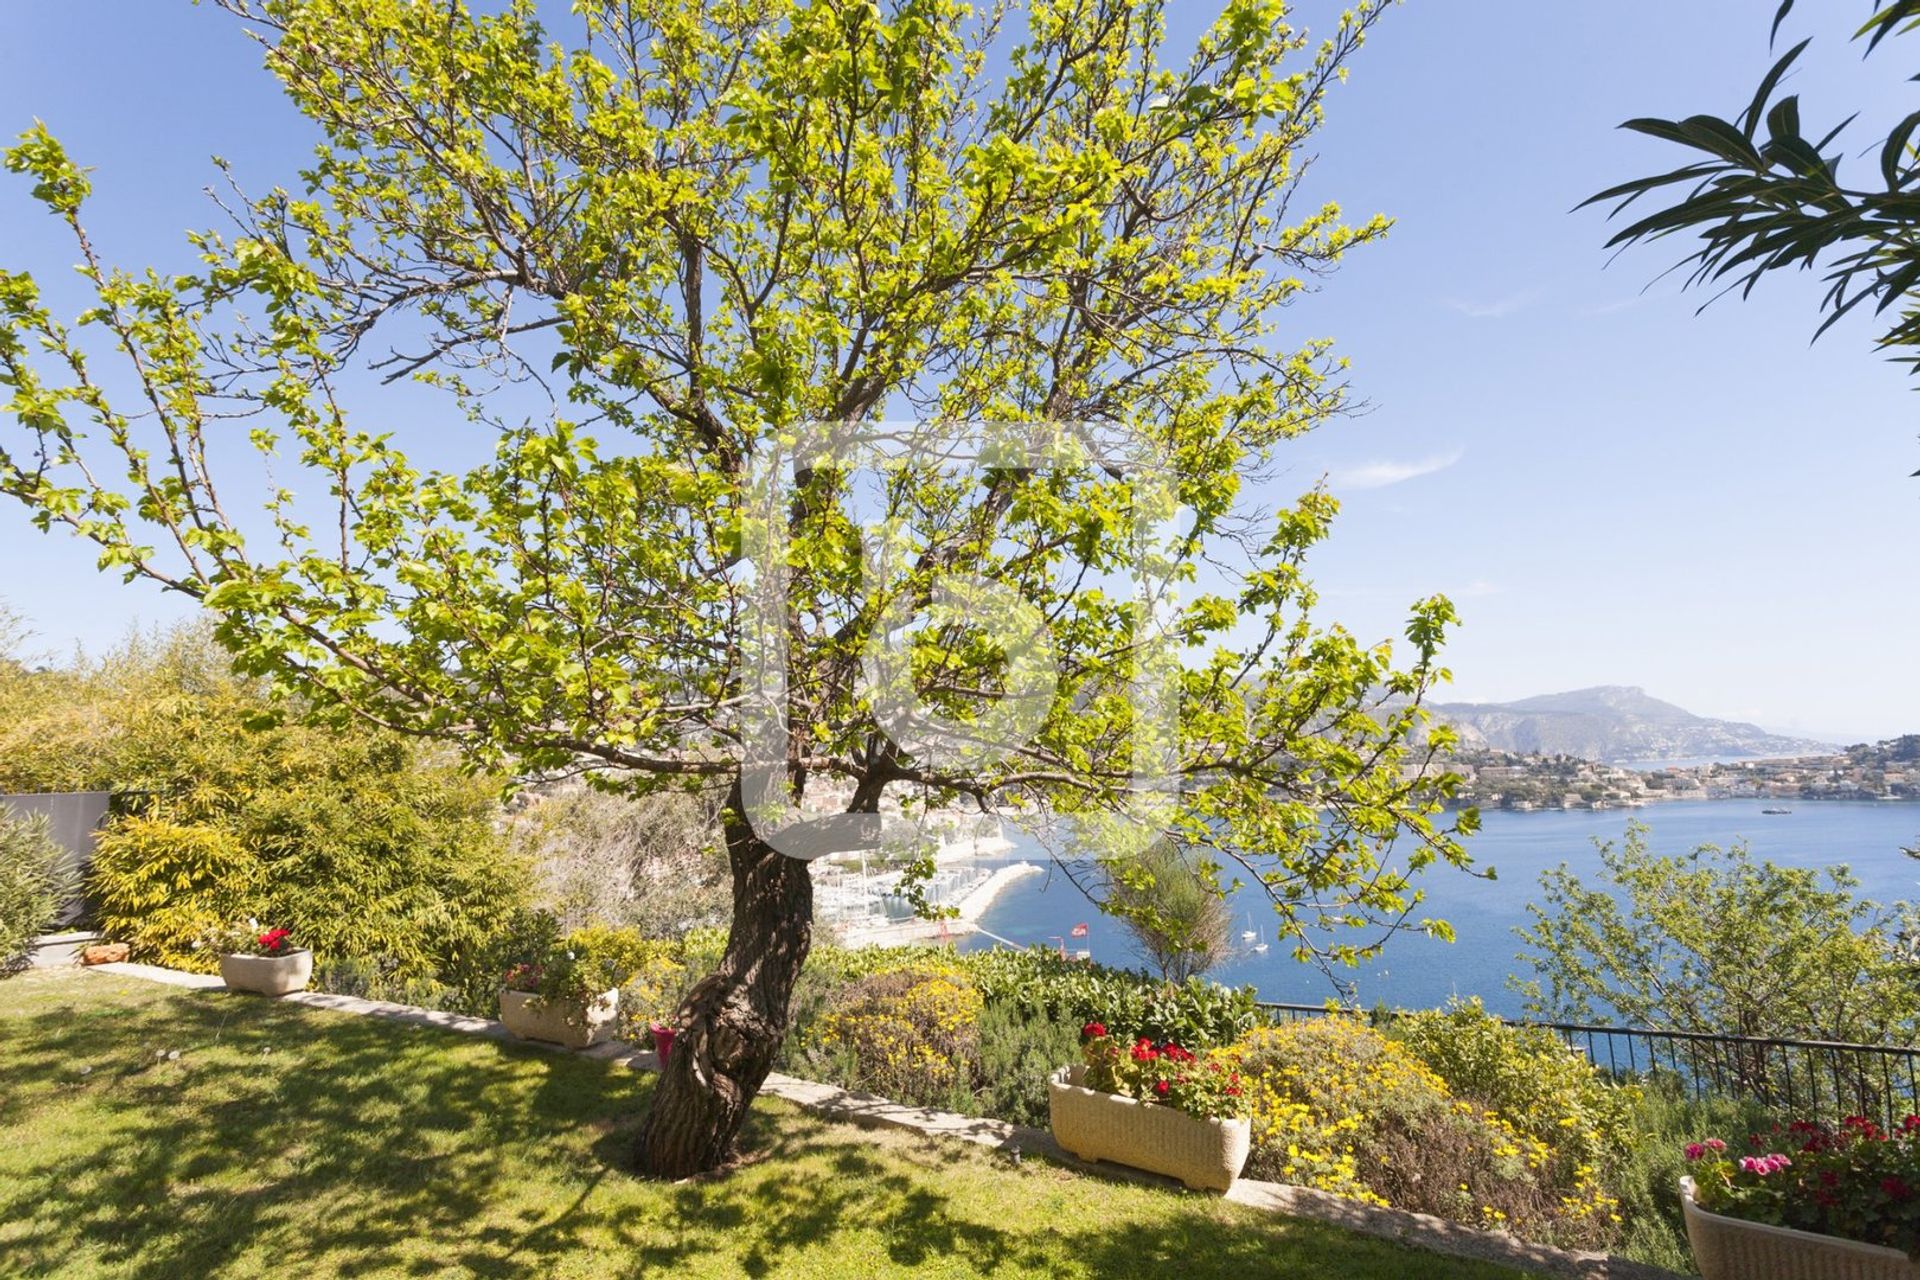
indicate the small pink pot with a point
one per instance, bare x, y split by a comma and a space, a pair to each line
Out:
663, 1041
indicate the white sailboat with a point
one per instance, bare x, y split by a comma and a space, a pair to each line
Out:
1249, 934
1259, 944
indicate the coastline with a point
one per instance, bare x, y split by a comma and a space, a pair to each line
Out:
971, 908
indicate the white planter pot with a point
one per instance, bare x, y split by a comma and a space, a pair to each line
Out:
529, 1017
1204, 1154
1729, 1249
268, 975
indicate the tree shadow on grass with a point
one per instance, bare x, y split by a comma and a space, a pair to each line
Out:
270, 1117
328, 1145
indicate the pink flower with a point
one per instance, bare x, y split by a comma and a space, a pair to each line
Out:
1714, 1144
1761, 1166
1695, 1151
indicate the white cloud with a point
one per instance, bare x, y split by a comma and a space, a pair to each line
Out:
1378, 475
1498, 309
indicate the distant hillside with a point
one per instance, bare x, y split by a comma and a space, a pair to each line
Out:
1615, 724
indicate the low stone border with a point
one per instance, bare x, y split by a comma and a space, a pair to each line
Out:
1419, 1230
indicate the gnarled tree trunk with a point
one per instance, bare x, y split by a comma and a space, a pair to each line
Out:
731, 1025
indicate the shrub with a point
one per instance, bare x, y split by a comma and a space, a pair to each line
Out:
35, 883
371, 980
1719, 941
1017, 1054
1169, 900
594, 960
366, 846
1665, 1119
1534, 1081
910, 1037
378, 853
1038, 983
1340, 1107
163, 887
521, 936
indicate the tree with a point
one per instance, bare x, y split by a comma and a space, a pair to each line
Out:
1761, 204
1717, 942
700, 230
603, 859
1173, 908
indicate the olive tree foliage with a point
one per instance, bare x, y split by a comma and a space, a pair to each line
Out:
606, 858
698, 228
1763, 197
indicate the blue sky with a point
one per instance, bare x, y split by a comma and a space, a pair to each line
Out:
1615, 489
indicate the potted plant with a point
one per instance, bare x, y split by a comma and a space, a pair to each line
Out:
1157, 1107
571, 996
1810, 1201
263, 960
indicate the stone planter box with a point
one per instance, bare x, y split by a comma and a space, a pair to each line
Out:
1729, 1249
1204, 1154
268, 975
530, 1017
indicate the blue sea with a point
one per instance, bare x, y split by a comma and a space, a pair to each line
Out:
1421, 972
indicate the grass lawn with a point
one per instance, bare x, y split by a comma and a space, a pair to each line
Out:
147, 1131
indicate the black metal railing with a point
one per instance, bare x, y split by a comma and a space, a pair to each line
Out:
1810, 1079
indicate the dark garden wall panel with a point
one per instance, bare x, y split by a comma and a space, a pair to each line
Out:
74, 819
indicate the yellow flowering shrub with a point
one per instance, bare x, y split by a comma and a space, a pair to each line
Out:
653, 993
1341, 1108
911, 1035
1538, 1084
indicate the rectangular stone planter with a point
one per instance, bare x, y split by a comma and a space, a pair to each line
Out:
268, 975
530, 1017
1204, 1154
1729, 1249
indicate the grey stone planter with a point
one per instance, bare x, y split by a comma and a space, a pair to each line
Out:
1205, 1154
1729, 1249
530, 1017
268, 975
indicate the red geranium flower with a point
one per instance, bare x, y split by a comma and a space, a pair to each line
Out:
1160, 1087
1093, 1031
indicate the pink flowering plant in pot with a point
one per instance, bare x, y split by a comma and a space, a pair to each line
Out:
1855, 1181
1206, 1088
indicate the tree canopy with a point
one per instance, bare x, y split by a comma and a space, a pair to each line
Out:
691, 234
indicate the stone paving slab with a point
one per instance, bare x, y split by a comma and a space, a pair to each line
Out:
1419, 1230
170, 977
